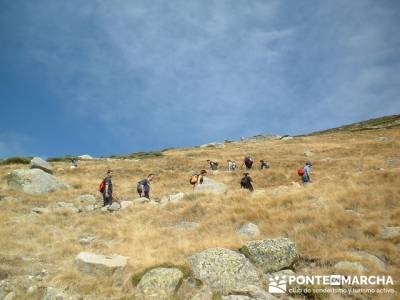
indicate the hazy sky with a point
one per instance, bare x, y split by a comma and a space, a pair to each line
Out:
102, 77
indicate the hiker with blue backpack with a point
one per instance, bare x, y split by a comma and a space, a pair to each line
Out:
305, 172
143, 186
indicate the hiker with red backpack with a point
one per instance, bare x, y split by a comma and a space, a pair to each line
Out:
305, 172
106, 188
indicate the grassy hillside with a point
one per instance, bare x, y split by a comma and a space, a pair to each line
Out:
355, 193
386, 122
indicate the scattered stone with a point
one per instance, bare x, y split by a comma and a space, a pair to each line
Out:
271, 255
90, 207
141, 200
348, 265
95, 264
381, 139
213, 145
40, 210
223, 270
172, 198
187, 225
126, 204
391, 232
85, 157
115, 206
159, 284
308, 153
210, 185
87, 240
363, 255
87, 198
67, 207
393, 162
34, 181
38, 163
249, 230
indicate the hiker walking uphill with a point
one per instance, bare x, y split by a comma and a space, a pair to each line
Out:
106, 188
248, 162
197, 178
264, 164
246, 182
305, 172
143, 186
231, 165
213, 164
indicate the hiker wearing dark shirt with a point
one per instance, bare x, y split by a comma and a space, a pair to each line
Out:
264, 164
246, 182
248, 162
108, 189
144, 186
213, 164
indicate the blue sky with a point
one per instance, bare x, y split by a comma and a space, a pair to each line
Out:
107, 77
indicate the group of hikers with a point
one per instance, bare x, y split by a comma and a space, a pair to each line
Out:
143, 186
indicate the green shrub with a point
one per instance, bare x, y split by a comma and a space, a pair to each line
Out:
138, 155
16, 160
66, 158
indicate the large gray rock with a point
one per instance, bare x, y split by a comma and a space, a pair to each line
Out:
38, 163
271, 255
223, 270
95, 264
34, 181
159, 284
210, 185
249, 230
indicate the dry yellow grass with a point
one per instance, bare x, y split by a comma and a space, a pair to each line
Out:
354, 194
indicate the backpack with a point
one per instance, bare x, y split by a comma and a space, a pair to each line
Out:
193, 179
139, 187
102, 186
300, 171
248, 162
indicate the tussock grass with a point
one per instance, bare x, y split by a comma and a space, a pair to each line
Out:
353, 196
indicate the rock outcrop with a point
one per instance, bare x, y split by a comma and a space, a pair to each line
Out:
95, 264
34, 181
223, 270
159, 284
249, 230
38, 163
270, 255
